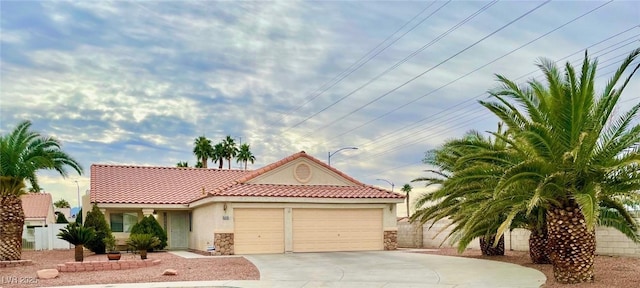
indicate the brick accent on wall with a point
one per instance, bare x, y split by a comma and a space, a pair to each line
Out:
390, 240
15, 263
106, 265
223, 243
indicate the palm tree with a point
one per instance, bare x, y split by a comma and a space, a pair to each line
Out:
584, 161
218, 154
464, 185
182, 164
77, 235
406, 188
245, 155
22, 154
202, 149
230, 149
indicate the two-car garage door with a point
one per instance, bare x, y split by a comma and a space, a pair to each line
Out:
313, 230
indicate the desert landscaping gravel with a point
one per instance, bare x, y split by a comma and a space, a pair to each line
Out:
610, 271
198, 269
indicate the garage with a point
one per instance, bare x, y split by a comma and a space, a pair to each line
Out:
259, 231
323, 230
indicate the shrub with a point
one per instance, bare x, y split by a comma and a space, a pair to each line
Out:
77, 235
149, 225
143, 243
61, 218
95, 219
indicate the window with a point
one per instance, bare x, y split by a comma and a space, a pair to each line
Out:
123, 222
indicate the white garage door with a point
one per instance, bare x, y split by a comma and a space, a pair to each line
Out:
258, 231
318, 230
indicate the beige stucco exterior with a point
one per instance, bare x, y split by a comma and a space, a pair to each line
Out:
286, 174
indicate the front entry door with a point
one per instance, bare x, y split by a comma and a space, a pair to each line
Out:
179, 230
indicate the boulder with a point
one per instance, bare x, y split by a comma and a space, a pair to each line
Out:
47, 273
170, 272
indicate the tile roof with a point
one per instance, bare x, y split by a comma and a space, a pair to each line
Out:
307, 191
155, 185
172, 185
36, 205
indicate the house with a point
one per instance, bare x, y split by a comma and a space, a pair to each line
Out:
38, 209
297, 204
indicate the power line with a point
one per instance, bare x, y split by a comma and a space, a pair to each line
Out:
396, 65
449, 109
345, 73
453, 81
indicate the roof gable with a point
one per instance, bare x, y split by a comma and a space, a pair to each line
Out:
36, 205
299, 169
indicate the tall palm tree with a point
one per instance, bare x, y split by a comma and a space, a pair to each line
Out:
245, 155
182, 164
230, 149
584, 162
202, 149
22, 154
218, 154
406, 188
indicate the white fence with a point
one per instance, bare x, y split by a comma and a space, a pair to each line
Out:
608, 240
44, 238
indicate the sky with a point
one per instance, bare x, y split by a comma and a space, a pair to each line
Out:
135, 82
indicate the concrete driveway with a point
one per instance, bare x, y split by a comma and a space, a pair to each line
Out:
386, 269
389, 269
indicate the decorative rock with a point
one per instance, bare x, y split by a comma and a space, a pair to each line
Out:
223, 242
47, 273
170, 272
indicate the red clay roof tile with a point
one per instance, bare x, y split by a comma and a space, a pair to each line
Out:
36, 205
307, 191
155, 185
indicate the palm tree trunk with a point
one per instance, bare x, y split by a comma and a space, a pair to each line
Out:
572, 245
538, 247
486, 246
204, 162
11, 225
245, 165
143, 254
79, 252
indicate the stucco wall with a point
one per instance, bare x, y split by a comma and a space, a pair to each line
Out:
285, 175
203, 226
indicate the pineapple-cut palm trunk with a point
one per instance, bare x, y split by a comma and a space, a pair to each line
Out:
487, 247
143, 254
572, 245
79, 253
11, 225
538, 247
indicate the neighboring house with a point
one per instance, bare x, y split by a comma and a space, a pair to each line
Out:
65, 211
38, 209
298, 204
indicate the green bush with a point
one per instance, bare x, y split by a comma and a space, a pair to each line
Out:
95, 219
149, 225
61, 219
143, 243
79, 216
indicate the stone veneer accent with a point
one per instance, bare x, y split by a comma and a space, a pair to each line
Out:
15, 263
223, 243
106, 265
390, 240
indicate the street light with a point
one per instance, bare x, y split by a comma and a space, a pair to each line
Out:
331, 154
77, 185
390, 183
